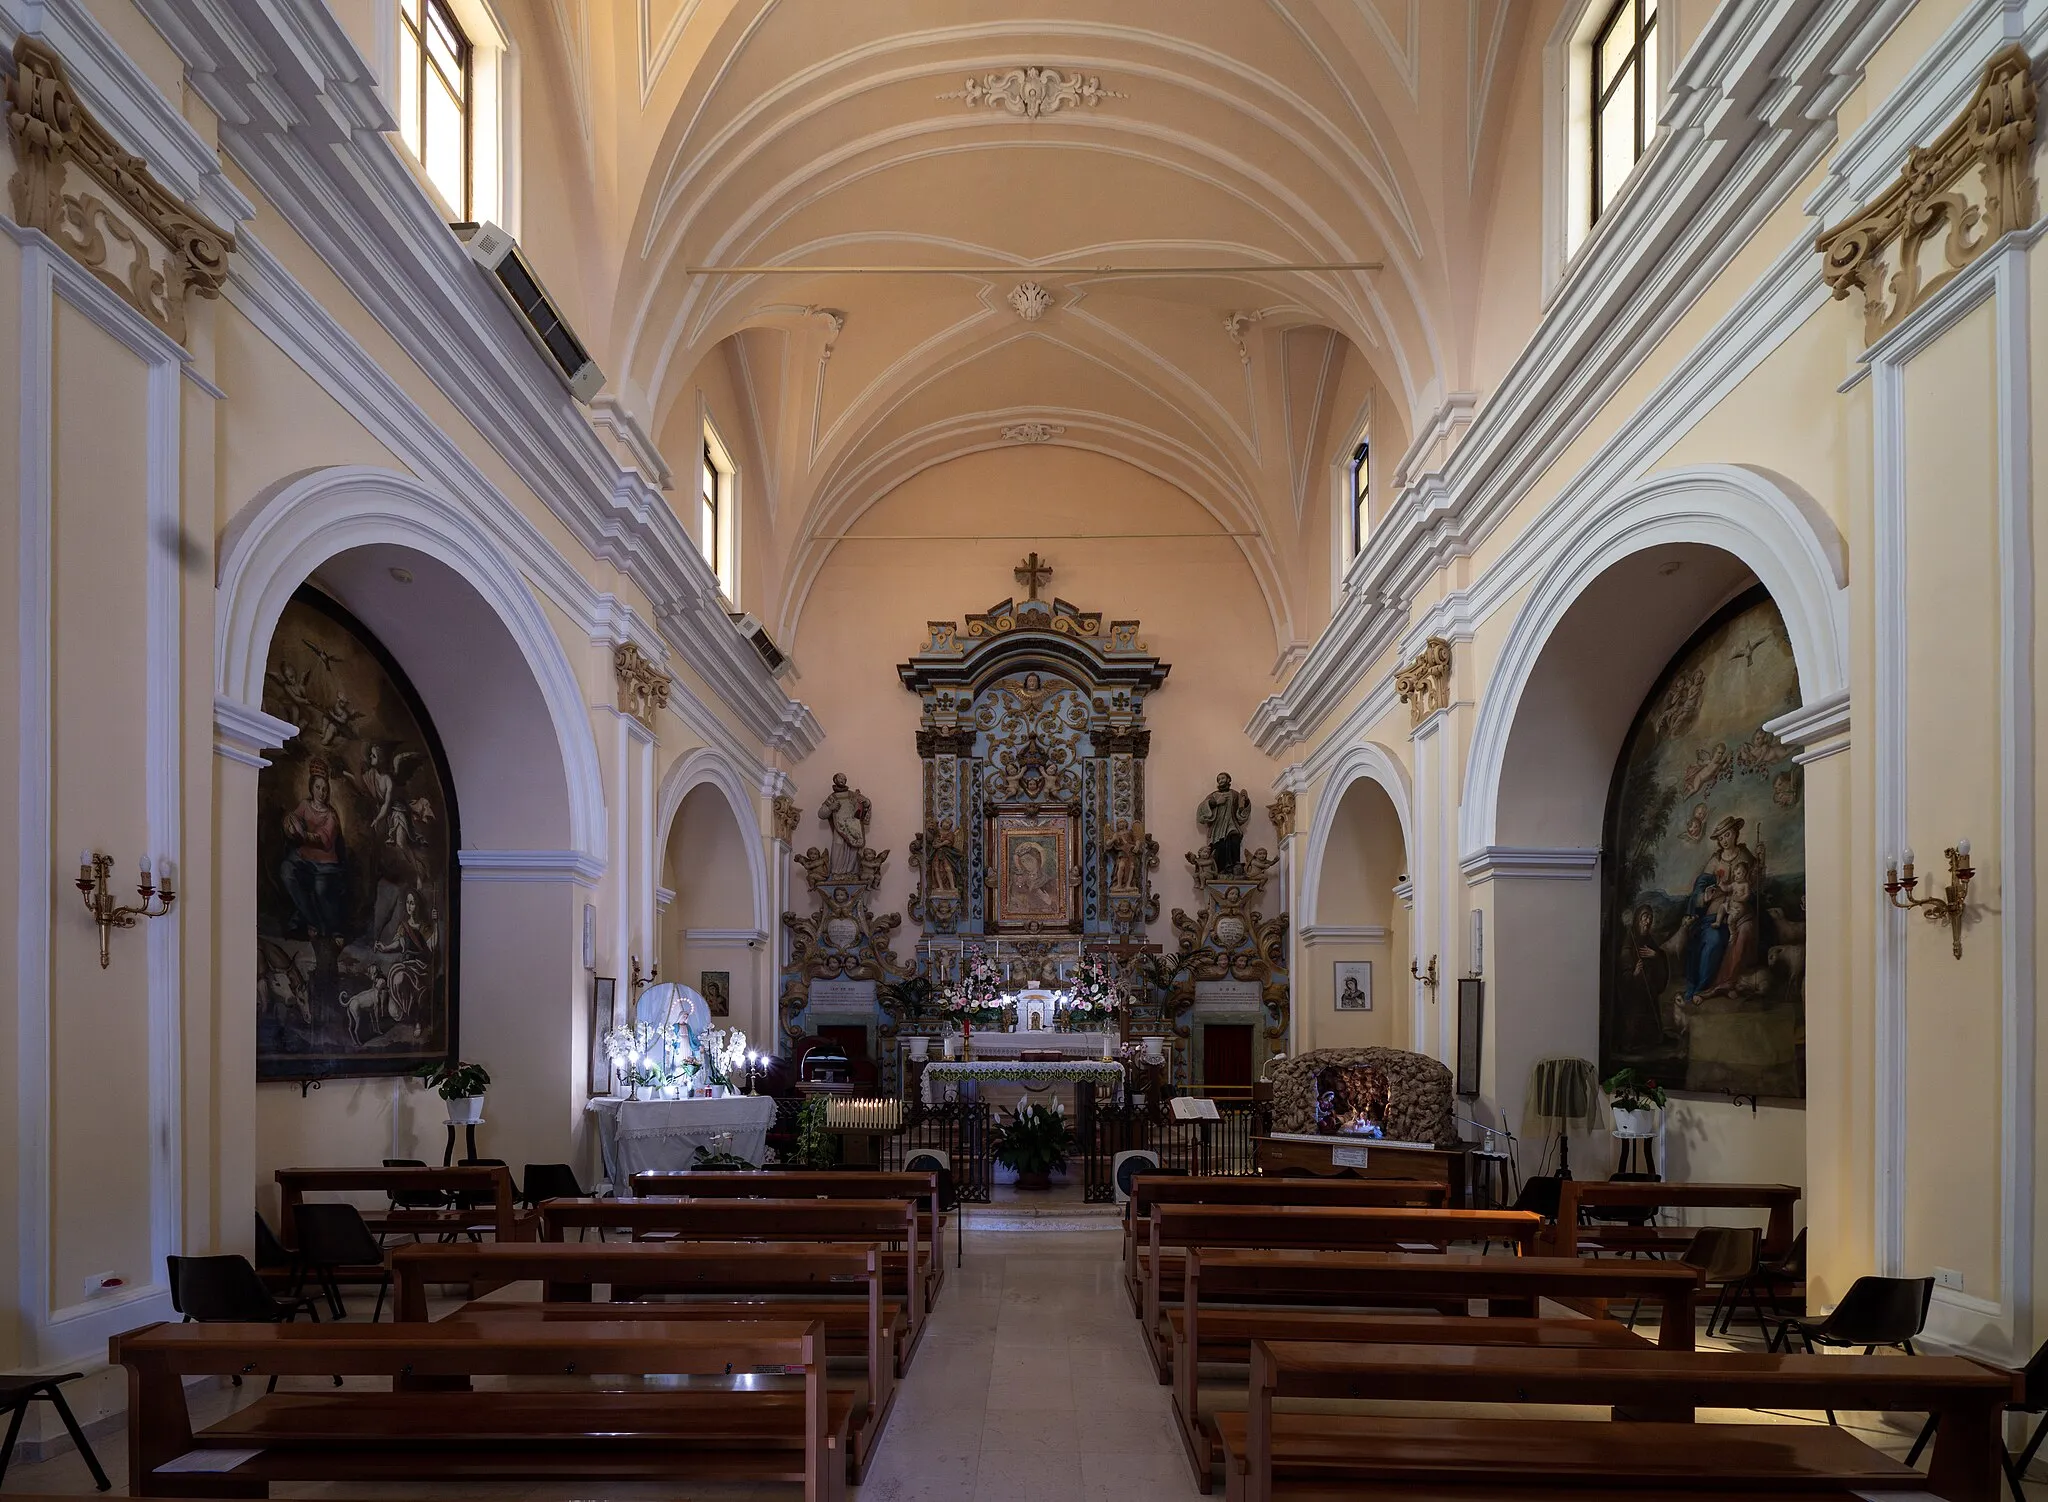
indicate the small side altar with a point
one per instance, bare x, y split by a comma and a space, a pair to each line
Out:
644, 1136
946, 1077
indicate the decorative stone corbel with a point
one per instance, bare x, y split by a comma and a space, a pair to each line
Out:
1281, 812
643, 687
1425, 684
1995, 134
51, 129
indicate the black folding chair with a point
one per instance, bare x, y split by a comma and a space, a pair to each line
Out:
18, 1390
553, 1181
1874, 1312
226, 1290
332, 1237
2033, 1400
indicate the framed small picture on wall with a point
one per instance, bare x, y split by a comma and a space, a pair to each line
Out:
604, 991
1354, 985
715, 986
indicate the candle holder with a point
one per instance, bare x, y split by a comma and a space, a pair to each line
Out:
1947, 908
1427, 977
93, 871
642, 979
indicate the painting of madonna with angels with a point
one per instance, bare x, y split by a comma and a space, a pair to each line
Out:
1704, 904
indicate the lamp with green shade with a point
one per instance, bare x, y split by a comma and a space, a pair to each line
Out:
1563, 1093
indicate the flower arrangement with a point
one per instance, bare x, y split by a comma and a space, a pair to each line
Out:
636, 1051
1092, 997
1034, 1144
977, 996
724, 1052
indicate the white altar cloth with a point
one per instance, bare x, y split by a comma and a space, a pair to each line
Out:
989, 1044
641, 1136
943, 1077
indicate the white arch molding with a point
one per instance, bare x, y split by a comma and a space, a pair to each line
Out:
1779, 533
276, 542
706, 766
1370, 762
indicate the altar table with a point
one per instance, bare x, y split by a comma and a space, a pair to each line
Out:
643, 1136
943, 1076
989, 1044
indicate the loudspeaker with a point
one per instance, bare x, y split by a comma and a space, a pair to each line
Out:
1128, 1166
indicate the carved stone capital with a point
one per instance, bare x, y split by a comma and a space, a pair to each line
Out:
787, 817
1281, 812
643, 687
1425, 684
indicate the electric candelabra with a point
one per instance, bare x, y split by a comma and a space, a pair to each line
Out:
93, 871
1948, 907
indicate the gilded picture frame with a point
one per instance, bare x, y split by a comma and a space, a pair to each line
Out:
1032, 864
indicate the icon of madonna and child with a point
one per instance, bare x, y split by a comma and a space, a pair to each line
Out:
1703, 982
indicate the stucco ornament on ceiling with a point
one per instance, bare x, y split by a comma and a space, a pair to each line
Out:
1031, 92
1030, 300
1033, 432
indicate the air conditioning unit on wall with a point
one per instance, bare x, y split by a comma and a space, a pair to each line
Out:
772, 655
499, 254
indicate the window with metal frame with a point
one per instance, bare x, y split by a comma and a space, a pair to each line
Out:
435, 98
1361, 485
710, 518
1625, 103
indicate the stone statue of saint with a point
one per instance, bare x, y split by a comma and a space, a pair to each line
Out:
1126, 851
1223, 815
846, 813
947, 850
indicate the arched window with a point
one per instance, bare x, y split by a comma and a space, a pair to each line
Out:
1624, 112
715, 519
436, 98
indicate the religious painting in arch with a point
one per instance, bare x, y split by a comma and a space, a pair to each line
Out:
1703, 923
356, 891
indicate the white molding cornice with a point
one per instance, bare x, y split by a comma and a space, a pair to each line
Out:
300, 113
530, 865
1812, 724
243, 734
1751, 113
725, 938
1529, 863
1344, 933
664, 897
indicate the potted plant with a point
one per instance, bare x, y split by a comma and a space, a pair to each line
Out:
461, 1085
1634, 1099
1034, 1144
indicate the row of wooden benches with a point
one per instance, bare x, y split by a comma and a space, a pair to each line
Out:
1324, 1295
781, 1329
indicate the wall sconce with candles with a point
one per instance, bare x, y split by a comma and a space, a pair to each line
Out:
1947, 908
93, 871
1427, 977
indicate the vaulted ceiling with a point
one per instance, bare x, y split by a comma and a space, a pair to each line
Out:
1179, 132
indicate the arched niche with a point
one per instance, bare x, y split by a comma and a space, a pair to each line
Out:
443, 595
1540, 882
1357, 915
711, 921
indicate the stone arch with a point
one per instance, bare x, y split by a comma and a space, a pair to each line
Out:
1776, 531
709, 767
276, 542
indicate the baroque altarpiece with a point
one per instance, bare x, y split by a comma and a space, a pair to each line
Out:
1033, 846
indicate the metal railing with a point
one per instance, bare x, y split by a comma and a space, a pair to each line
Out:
1223, 1146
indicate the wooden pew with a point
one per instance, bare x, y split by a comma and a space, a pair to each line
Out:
725, 1282
1276, 1455
1148, 1190
500, 1217
782, 1429
796, 1184
1302, 1227
1246, 1282
1578, 1195
887, 1221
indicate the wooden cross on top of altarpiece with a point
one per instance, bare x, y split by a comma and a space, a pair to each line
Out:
1033, 574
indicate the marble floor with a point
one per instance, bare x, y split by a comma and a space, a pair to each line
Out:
1030, 1384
